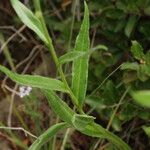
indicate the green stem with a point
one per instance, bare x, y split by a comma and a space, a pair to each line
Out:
65, 139
72, 24
6, 52
53, 53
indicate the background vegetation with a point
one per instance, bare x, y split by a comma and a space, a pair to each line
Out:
114, 69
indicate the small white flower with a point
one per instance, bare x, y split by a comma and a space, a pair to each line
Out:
24, 91
21, 89
29, 89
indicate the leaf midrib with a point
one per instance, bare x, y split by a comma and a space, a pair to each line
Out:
83, 39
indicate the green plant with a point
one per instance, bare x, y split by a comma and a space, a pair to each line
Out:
141, 65
77, 90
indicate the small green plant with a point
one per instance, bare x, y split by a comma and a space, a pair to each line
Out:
141, 65
76, 118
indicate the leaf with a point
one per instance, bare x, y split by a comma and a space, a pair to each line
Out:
80, 66
100, 47
81, 121
129, 77
98, 131
71, 56
137, 51
130, 66
29, 19
116, 124
142, 97
96, 102
59, 107
130, 25
92, 129
47, 135
143, 72
35, 80
146, 130
144, 115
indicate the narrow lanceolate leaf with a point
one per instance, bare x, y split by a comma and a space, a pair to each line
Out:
130, 66
142, 97
74, 55
98, 131
90, 128
130, 25
137, 51
71, 56
42, 139
81, 121
29, 19
80, 65
100, 47
64, 112
35, 80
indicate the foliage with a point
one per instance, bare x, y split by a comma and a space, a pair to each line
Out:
81, 122
107, 83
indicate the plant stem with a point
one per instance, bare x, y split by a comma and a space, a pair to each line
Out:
72, 24
7, 53
53, 53
65, 139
